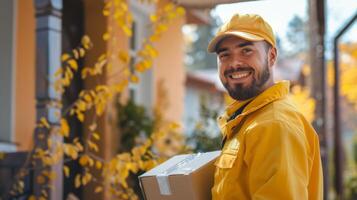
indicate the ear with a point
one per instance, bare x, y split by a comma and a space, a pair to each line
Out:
272, 56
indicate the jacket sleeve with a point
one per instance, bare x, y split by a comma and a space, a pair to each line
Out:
277, 156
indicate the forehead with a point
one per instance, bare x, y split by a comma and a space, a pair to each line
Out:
233, 41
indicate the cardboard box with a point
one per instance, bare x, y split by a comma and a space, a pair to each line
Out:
182, 177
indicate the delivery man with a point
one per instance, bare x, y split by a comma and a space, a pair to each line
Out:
270, 151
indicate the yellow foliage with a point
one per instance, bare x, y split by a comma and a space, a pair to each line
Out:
86, 178
44, 123
64, 128
124, 57
303, 101
134, 78
106, 36
96, 136
98, 189
71, 150
65, 57
84, 160
118, 168
93, 146
348, 72
98, 164
73, 64
86, 42
77, 181
66, 170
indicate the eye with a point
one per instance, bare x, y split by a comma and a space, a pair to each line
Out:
247, 51
223, 55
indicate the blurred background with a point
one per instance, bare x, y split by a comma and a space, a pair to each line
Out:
167, 88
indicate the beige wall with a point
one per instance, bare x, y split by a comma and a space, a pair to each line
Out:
170, 71
25, 75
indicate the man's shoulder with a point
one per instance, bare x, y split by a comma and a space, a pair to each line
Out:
279, 111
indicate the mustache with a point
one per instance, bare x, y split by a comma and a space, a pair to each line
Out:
240, 69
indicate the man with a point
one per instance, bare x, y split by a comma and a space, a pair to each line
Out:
270, 151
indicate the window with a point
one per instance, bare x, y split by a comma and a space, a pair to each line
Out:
142, 92
7, 74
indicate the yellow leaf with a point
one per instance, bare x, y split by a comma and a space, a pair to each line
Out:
65, 57
93, 127
44, 122
70, 150
180, 11
147, 64
124, 56
64, 129
154, 38
84, 160
78, 145
134, 78
91, 162
81, 105
140, 67
96, 136
127, 31
161, 28
98, 189
88, 98
73, 64
98, 164
153, 18
81, 52
106, 12
77, 181
93, 146
80, 117
75, 53
86, 178
87, 44
102, 57
106, 36
66, 171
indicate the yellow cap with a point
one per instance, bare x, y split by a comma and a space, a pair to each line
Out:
250, 27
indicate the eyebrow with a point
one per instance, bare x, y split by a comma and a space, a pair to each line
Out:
240, 45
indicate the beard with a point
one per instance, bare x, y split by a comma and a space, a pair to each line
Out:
240, 92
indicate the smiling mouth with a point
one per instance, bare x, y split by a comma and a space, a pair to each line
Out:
239, 75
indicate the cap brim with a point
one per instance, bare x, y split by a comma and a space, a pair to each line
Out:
244, 35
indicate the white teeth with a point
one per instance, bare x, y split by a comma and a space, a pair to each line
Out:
240, 75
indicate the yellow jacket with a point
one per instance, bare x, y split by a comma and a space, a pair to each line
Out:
271, 152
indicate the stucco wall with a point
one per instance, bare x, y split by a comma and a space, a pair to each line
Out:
25, 111
169, 70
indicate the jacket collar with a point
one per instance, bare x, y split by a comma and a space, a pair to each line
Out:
277, 91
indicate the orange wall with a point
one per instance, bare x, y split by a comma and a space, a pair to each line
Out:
25, 75
170, 71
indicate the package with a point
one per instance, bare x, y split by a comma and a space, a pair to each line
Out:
182, 177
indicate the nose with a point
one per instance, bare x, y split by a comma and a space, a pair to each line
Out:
236, 62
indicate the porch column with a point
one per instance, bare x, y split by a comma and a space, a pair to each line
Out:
318, 69
48, 53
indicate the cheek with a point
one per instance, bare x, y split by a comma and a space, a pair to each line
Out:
221, 73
